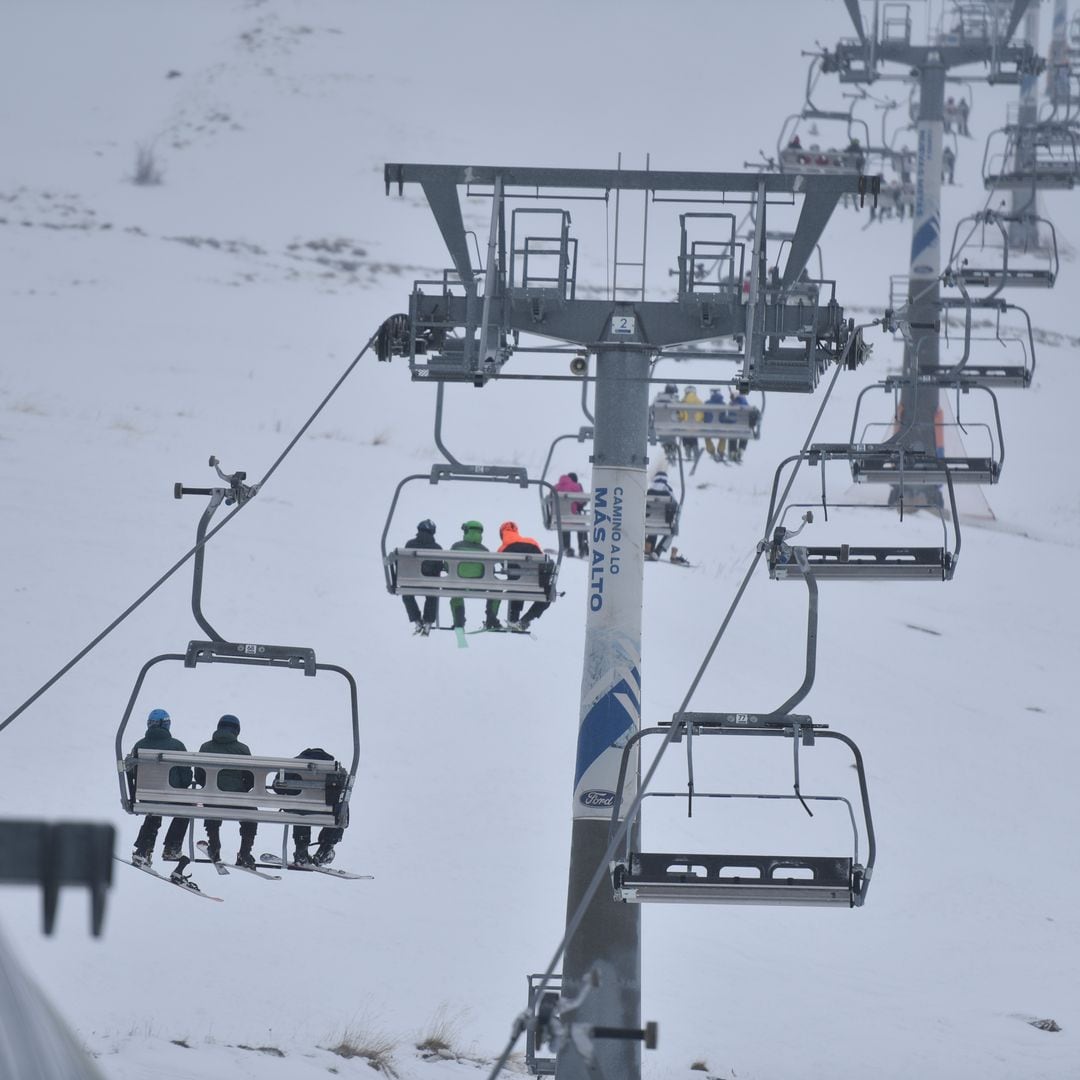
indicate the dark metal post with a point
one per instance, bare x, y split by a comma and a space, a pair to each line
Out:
1024, 233
609, 937
919, 404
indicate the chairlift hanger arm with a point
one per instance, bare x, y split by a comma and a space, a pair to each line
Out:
237, 492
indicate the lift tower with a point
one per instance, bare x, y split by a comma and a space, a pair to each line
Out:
977, 33
465, 325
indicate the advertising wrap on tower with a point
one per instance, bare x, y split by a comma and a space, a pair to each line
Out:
611, 680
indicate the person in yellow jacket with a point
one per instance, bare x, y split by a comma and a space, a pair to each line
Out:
690, 443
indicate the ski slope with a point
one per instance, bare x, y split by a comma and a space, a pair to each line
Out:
146, 328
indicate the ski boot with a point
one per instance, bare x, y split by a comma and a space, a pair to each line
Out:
245, 859
492, 624
301, 856
324, 856
141, 858
172, 854
178, 877
425, 628
417, 628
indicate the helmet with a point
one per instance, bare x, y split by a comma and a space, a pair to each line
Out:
508, 526
229, 721
691, 389
427, 525
573, 476
671, 388
158, 718
467, 525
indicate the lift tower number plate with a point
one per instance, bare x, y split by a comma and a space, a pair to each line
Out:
623, 325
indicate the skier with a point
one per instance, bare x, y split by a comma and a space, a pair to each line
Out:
512, 540
329, 835
669, 446
962, 110
225, 740
718, 449
948, 165
472, 535
425, 538
569, 482
690, 444
740, 400
157, 737
660, 487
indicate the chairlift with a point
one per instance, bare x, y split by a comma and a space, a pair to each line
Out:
785, 879
542, 1004
913, 491
520, 576
565, 510
793, 157
1044, 155
709, 420
875, 468
993, 237
319, 794
987, 373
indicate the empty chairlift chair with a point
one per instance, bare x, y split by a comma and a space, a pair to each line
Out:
808, 880
854, 562
879, 464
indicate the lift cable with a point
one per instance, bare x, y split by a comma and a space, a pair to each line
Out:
619, 834
184, 558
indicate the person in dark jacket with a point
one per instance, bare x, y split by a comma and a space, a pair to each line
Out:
660, 488
157, 737
472, 535
425, 538
225, 740
512, 540
328, 835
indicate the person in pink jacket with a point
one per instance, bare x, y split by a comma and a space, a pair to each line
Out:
569, 482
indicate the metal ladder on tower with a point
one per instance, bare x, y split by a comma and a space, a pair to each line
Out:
635, 291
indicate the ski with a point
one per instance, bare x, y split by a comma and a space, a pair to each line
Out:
187, 886
221, 868
275, 860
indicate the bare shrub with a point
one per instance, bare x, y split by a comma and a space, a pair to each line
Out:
147, 170
375, 1048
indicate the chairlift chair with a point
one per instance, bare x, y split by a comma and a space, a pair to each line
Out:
875, 467
1001, 274
812, 159
517, 576
1038, 156
541, 1004
849, 562
784, 879
568, 510
986, 372
319, 795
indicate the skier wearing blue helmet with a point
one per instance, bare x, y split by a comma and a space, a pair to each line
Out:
158, 737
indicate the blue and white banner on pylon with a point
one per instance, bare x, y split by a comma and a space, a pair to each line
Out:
926, 231
611, 680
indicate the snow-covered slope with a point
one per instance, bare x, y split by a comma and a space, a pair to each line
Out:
145, 328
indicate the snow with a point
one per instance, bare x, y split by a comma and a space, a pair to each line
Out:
145, 328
